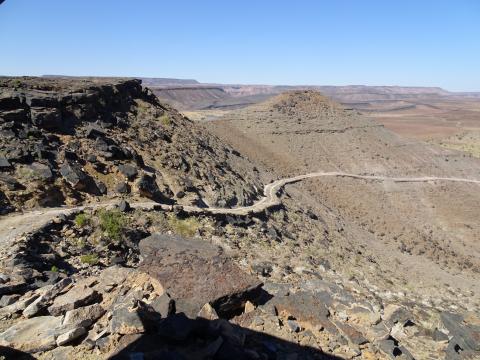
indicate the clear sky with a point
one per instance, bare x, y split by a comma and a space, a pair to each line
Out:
334, 42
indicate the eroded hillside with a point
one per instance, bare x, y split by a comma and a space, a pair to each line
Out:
69, 141
412, 229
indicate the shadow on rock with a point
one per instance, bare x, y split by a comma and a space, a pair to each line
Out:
182, 338
213, 310
9, 353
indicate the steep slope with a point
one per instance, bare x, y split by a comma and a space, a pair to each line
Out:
68, 141
190, 97
426, 231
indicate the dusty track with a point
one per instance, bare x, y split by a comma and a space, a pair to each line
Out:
15, 225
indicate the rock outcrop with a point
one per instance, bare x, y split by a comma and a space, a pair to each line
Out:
68, 141
195, 273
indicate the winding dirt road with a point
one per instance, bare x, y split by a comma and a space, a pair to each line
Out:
12, 226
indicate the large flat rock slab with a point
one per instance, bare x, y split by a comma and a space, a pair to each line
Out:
305, 307
195, 272
78, 296
32, 335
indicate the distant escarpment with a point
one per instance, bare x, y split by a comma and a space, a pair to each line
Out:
69, 141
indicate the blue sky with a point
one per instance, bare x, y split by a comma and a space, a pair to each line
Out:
336, 42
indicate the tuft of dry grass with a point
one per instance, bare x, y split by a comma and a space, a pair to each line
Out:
90, 259
165, 120
184, 227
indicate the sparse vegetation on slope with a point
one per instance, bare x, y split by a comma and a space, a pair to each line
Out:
184, 227
89, 259
82, 219
112, 223
165, 120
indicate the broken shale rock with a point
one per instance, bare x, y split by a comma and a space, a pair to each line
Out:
70, 335
32, 335
84, 316
78, 296
126, 321
44, 299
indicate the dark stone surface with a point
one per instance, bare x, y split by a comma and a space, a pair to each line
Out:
124, 206
46, 118
9, 101
76, 297
122, 188
6, 300
17, 116
177, 327
74, 175
10, 182
41, 100
5, 206
127, 170
400, 315
437, 335
101, 145
393, 350
41, 171
4, 164
94, 132
465, 336
195, 272
305, 307
163, 305
147, 187
126, 322
350, 333
102, 188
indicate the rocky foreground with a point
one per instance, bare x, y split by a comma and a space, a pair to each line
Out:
161, 296
116, 282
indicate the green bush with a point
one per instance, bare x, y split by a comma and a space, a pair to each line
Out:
90, 259
54, 269
81, 220
184, 227
112, 222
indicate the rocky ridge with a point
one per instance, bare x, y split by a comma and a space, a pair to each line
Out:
70, 141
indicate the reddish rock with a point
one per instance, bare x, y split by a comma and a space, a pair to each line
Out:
195, 272
307, 308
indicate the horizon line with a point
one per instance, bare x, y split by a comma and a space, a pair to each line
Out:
244, 84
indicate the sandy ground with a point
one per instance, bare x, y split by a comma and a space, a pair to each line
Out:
432, 120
